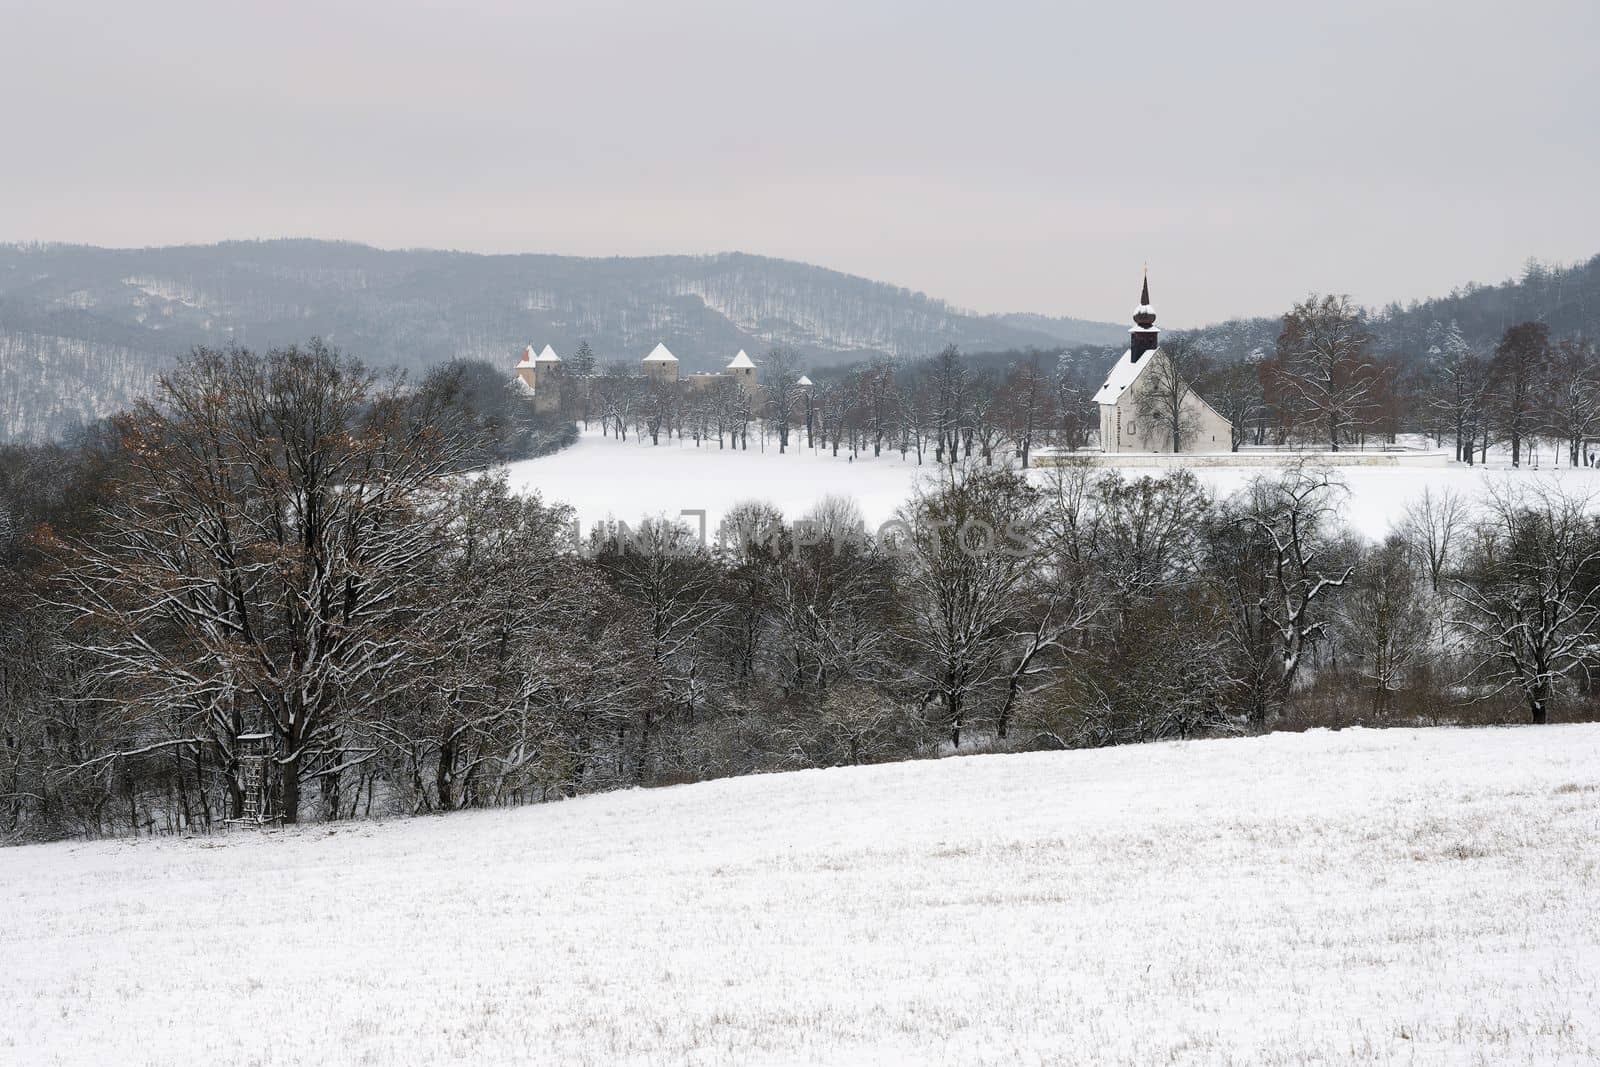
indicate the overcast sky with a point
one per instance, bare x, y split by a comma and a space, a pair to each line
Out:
1003, 156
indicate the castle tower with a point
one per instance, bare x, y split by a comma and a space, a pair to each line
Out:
661, 365
1143, 336
528, 369
743, 371
547, 361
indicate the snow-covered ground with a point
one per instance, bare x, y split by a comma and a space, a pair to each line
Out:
604, 478
1404, 896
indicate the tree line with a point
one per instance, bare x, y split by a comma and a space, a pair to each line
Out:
924, 410
1324, 386
271, 588
1321, 387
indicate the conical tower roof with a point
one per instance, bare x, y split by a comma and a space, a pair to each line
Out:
1144, 316
659, 354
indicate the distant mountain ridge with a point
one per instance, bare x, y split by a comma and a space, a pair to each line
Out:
84, 330
1566, 298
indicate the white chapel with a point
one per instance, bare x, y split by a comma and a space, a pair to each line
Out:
1123, 428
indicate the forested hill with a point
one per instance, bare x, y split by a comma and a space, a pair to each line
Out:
84, 330
1566, 299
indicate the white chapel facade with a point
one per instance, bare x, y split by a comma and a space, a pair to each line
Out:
1123, 428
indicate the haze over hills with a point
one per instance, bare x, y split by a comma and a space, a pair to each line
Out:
83, 330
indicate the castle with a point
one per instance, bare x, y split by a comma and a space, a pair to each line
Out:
542, 374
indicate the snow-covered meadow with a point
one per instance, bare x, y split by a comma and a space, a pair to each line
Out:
1416, 896
603, 478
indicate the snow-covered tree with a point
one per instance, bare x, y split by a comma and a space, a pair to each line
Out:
1324, 372
1290, 518
251, 574
969, 554
780, 392
1529, 593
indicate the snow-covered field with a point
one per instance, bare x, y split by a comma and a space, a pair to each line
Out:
1404, 896
604, 478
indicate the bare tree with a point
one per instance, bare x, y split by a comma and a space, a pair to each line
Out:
1455, 394
506, 688
1383, 620
967, 562
984, 419
672, 582
915, 419
1156, 666
832, 603
1528, 592
1236, 392
1324, 372
879, 396
782, 393
1292, 515
750, 542
1077, 415
861, 723
616, 392
1166, 388
660, 404
731, 410
1433, 526
947, 389
254, 571
1572, 397
1027, 399
1519, 366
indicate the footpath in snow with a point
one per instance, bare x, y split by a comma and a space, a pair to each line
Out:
1400, 896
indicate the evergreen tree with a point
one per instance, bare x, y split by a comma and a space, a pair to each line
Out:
582, 361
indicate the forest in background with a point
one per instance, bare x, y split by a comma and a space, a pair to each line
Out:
85, 331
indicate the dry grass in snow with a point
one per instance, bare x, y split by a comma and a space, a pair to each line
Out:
1414, 896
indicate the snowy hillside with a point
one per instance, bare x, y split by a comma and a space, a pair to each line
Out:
106, 320
603, 478
1419, 896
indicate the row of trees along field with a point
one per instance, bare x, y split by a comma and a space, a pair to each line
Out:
930, 409
1321, 387
269, 585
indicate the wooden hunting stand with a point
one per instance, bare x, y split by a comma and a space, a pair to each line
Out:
255, 781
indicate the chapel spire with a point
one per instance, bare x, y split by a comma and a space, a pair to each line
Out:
1143, 336
1145, 315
